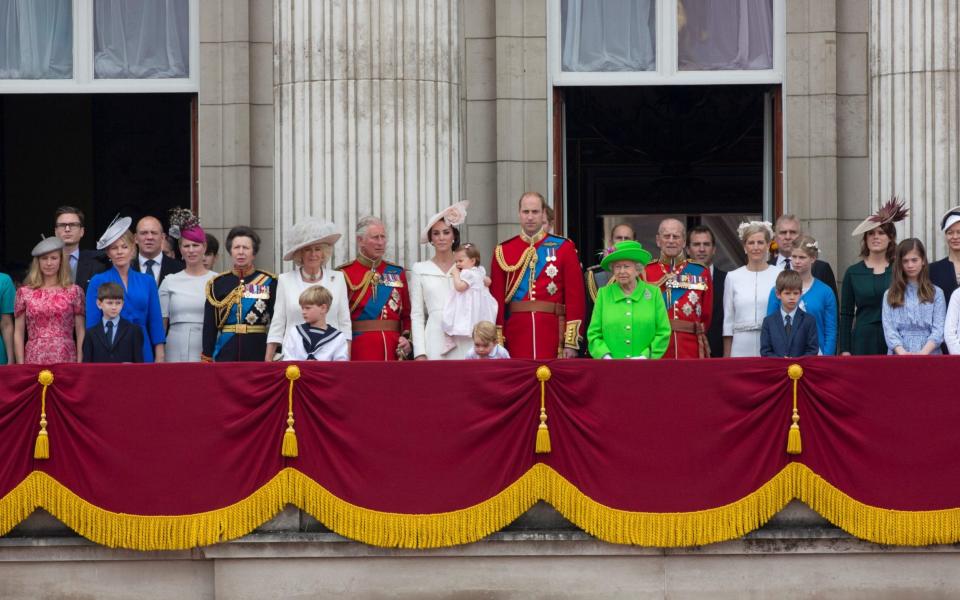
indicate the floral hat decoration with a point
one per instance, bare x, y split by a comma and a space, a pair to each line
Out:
893, 211
453, 216
184, 224
626, 250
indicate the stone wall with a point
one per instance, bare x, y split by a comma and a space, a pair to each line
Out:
235, 127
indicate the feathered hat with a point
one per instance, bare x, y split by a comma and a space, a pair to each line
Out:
893, 211
184, 224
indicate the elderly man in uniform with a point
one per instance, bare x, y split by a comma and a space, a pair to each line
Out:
687, 291
538, 283
379, 298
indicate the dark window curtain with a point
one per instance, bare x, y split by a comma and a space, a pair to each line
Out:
725, 34
609, 35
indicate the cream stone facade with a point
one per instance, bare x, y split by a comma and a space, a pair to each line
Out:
342, 109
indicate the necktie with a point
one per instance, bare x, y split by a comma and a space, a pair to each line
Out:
150, 263
786, 264
787, 324
73, 267
110, 332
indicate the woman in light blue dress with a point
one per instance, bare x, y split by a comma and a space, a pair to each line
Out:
818, 299
141, 301
914, 310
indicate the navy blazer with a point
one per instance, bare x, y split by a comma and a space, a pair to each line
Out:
715, 333
943, 276
89, 263
801, 342
127, 344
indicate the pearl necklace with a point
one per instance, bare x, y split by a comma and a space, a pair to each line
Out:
311, 278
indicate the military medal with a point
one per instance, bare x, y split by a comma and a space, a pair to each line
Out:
551, 288
551, 270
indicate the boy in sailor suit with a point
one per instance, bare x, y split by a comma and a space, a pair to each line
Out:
314, 339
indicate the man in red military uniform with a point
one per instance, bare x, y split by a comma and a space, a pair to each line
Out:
538, 283
687, 291
379, 298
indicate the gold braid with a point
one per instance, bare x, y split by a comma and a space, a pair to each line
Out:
530, 254
362, 287
222, 307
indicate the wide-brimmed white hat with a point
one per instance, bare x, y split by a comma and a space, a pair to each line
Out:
307, 233
46, 245
114, 232
453, 215
949, 218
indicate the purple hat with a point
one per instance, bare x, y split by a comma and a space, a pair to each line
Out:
184, 224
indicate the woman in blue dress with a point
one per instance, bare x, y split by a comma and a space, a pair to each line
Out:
818, 299
141, 301
914, 310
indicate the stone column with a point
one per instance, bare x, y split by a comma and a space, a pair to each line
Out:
368, 115
914, 149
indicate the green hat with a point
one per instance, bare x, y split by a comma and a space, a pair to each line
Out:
626, 250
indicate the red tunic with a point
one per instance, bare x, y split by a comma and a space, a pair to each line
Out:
379, 299
557, 280
689, 301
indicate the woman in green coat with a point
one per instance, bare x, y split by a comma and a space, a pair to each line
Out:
629, 317
861, 296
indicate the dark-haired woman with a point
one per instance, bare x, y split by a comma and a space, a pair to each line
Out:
430, 285
239, 304
914, 310
864, 284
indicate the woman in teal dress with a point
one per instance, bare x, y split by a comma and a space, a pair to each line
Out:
629, 317
864, 283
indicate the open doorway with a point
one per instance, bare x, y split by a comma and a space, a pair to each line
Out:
703, 154
104, 153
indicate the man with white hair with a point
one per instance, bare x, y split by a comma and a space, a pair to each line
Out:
687, 291
379, 298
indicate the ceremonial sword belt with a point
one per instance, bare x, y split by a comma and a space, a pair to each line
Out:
687, 326
242, 329
375, 325
541, 306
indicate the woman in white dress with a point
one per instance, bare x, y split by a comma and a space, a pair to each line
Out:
430, 285
309, 246
183, 294
746, 292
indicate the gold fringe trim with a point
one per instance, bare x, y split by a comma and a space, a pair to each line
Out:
397, 530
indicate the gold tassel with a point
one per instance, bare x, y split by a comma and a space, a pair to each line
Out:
543, 434
794, 445
289, 448
41, 449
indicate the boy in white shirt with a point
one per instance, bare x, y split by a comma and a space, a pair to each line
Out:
314, 339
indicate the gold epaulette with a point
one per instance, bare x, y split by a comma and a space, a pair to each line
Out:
344, 265
592, 288
272, 275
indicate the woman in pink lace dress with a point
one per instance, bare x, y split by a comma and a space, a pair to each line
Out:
48, 310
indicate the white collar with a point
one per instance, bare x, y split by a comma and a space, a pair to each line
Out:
793, 315
144, 259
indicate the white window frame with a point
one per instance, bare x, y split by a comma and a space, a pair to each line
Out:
666, 72
83, 80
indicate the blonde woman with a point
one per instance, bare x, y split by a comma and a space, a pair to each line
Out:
48, 310
746, 292
309, 246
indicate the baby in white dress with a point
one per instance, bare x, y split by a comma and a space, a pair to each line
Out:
470, 300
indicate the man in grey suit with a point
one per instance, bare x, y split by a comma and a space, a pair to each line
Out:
702, 247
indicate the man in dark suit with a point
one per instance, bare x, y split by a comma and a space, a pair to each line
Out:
114, 339
786, 231
701, 247
789, 332
150, 257
84, 264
